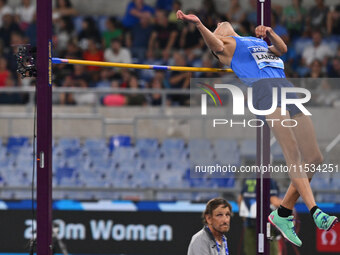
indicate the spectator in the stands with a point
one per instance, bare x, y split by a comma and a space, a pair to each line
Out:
138, 38
64, 32
16, 38
208, 11
124, 76
87, 98
207, 61
89, 31
25, 13
236, 15
80, 73
177, 5
63, 8
334, 71
252, 14
112, 31
4, 52
31, 32
9, 26
333, 20
294, 17
93, 53
135, 10
164, 5
5, 73
318, 50
148, 74
72, 51
10, 97
114, 99
60, 72
116, 53
191, 40
316, 70
104, 81
164, 35
4, 9
155, 99
317, 16
135, 99
79, 78
278, 28
180, 80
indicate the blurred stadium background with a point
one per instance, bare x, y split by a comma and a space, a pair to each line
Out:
122, 141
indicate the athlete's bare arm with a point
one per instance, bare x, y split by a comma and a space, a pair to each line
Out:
278, 46
223, 47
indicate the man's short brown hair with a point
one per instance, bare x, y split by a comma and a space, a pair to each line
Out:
212, 205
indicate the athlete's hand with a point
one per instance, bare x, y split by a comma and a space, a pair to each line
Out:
263, 31
190, 17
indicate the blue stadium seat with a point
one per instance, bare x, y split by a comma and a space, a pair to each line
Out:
101, 22
322, 183
71, 143
77, 22
71, 152
173, 149
225, 146
119, 141
228, 158
171, 179
180, 166
95, 143
68, 182
64, 172
16, 178
156, 165
173, 144
3, 152
142, 179
14, 143
121, 154
93, 153
200, 151
147, 143
147, 148
223, 182
334, 183
130, 166
26, 164
248, 149
276, 151
199, 144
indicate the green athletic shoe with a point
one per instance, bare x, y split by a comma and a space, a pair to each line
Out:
323, 220
286, 227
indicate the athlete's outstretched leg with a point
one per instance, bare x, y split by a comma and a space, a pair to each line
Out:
310, 153
297, 145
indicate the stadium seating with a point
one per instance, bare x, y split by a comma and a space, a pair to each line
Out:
149, 163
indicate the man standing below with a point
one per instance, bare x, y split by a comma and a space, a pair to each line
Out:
211, 239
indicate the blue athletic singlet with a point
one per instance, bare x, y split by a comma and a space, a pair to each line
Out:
252, 61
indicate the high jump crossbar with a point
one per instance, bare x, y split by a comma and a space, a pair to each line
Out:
139, 66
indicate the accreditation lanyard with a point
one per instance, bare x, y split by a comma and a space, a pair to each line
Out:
224, 240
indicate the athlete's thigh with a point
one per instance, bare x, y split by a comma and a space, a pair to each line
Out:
306, 138
283, 134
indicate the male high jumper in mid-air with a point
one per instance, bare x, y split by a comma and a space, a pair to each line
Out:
299, 144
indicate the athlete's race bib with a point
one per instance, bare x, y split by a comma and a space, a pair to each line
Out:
264, 58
